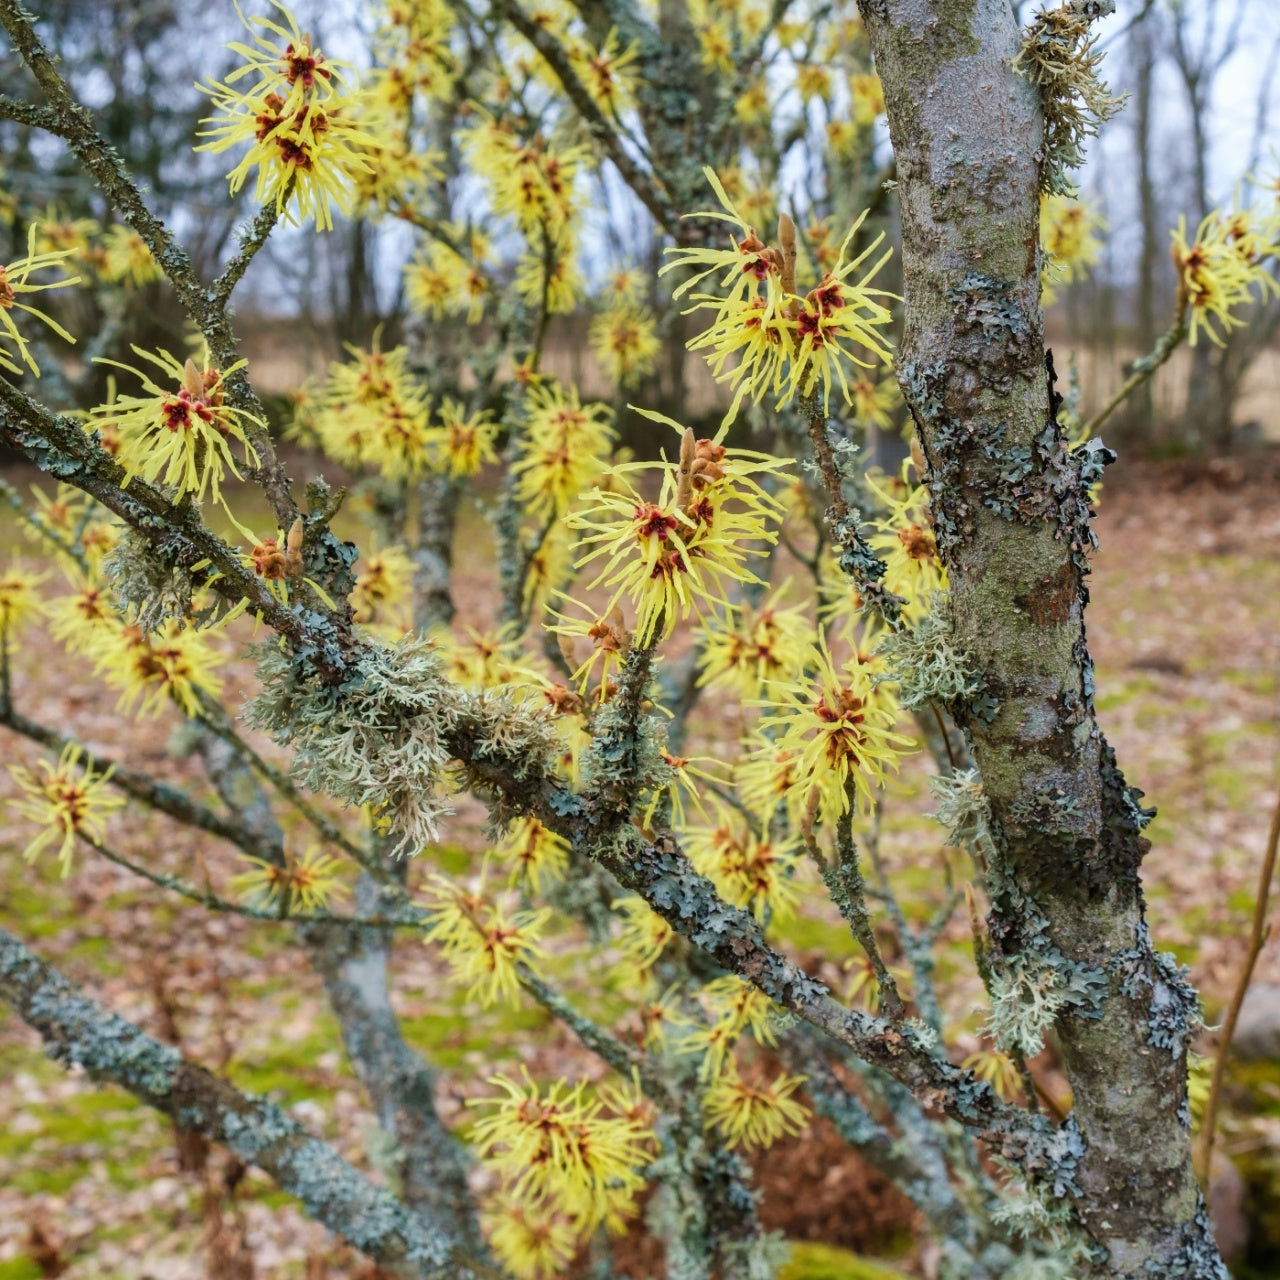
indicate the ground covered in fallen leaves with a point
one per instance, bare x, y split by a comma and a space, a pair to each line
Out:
1185, 627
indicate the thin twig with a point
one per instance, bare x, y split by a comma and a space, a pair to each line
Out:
1258, 935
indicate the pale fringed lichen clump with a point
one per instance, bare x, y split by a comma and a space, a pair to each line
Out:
924, 661
1024, 1005
376, 740
147, 592
382, 738
1059, 58
964, 811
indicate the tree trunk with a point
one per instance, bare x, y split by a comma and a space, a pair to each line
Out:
1012, 521
1140, 415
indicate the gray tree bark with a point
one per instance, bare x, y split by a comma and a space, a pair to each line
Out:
1012, 521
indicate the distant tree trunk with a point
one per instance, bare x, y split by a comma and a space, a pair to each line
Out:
1012, 524
1140, 415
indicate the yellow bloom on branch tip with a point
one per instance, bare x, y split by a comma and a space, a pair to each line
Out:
557, 1151
566, 445
70, 799
1216, 275
306, 143
840, 726
538, 856
624, 341
754, 1116
15, 282
174, 663
483, 943
1069, 235
765, 338
308, 881
533, 1244
672, 556
179, 434
462, 443
19, 600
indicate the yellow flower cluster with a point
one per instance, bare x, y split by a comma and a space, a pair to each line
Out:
20, 602
15, 283
840, 727
746, 648
765, 338
175, 664
1069, 236
374, 413
440, 282
558, 1152
754, 1115
383, 595
905, 541
534, 185
308, 881
69, 800
482, 942
299, 118
538, 857
624, 341
749, 869
671, 557
179, 434
1220, 269
565, 447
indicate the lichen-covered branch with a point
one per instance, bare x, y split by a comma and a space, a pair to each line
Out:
77, 1031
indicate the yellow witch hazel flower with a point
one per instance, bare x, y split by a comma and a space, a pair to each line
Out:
127, 260
905, 540
643, 938
173, 664
672, 556
1216, 274
528, 181
754, 1115
746, 648
624, 341
552, 277
556, 1150
383, 594
483, 944
15, 282
874, 400
463, 442
180, 435
20, 602
733, 1007
299, 117
840, 724
1069, 234
372, 413
608, 72
566, 445
532, 1243
440, 282
749, 869
538, 857
84, 619
766, 777
765, 338
308, 881
69, 800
